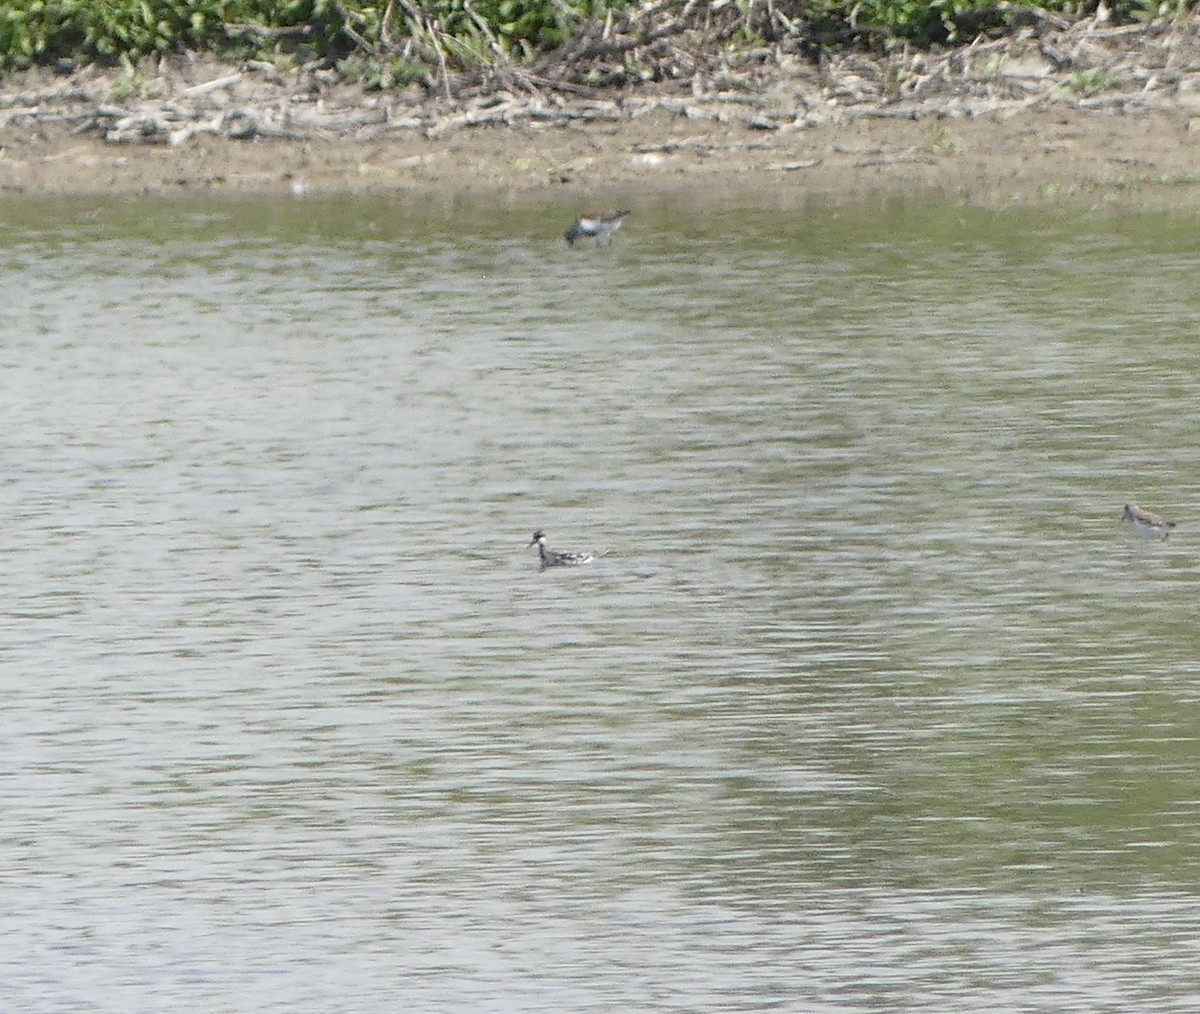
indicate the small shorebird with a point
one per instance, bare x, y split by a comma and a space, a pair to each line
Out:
553, 558
599, 224
1147, 522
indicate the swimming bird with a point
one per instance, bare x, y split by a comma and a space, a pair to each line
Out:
1147, 522
553, 558
599, 224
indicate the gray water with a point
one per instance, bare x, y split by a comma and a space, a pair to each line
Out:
872, 704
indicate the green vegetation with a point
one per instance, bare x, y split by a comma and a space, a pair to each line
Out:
41, 31
1090, 82
395, 42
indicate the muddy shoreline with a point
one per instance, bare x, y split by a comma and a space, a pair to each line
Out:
1090, 159
1014, 128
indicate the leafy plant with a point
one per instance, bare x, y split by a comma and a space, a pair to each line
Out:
30, 32
130, 84
375, 73
1089, 82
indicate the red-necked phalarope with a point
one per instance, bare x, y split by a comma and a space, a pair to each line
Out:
553, 558
599, 224
1147, 522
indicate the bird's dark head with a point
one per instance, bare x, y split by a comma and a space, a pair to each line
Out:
538, 536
